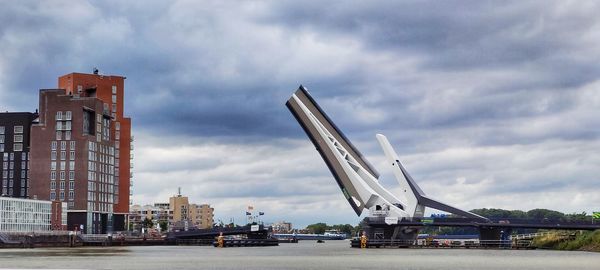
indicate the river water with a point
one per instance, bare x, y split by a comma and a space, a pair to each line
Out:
304, 255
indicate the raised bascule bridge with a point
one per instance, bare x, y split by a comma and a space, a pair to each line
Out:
393, 219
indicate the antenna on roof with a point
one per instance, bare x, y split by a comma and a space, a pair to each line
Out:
179, 191
95, 71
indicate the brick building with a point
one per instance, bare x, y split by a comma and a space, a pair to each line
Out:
14, 150
80, 151
72, 158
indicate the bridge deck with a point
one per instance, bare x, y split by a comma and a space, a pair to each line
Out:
494, 223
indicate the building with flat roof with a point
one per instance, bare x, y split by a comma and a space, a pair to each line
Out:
26, 215
15, 130
110, 89
73, 158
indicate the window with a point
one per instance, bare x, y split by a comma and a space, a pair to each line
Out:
59, 135
67, 125
53, 185
18, 147
72, 145
18, 138
23, 176
53, 145
114, 108
117, 126
79, 89
63, 145
67, 135
53, 165
62, 175
71, 185
59, 125
1, 147
19, 129
52, 196
1, 129
71, 195
53, 175
71, 175
114, 89
68, 115
62, 195
114, 98
23, 156
72, 155
53, 155
63, 155
63, 165
71, 165
1, 138
62, 185
59, 116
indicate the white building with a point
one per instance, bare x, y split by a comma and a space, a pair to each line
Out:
24, 215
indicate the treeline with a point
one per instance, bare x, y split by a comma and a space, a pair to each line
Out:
493, 213
320, 228
538, 214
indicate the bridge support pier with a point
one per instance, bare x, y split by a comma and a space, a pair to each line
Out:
380, 234
494, 236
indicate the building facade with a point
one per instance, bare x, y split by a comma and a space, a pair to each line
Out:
73, 158
110, 89
14, 149
25, 215
189, 216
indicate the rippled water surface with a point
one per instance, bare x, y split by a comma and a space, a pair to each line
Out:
305, 255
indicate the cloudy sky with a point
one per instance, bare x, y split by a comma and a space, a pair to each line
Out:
489, 104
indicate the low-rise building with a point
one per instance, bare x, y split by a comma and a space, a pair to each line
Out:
25, 215
282, 227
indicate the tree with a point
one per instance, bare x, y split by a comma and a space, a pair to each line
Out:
164, 225
345, 228
147, 223
318, 228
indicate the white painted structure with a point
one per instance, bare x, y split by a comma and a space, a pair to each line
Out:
24, 215
356, 177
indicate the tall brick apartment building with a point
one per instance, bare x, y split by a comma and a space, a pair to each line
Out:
80, 151
14, 152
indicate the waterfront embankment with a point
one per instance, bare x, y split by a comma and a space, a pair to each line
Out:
583, 241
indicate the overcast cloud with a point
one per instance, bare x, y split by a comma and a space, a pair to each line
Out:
489, 104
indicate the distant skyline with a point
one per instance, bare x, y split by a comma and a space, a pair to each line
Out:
487, 105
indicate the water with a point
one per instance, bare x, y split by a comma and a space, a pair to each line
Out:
304, 255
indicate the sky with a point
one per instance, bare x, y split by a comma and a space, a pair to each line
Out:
488, 104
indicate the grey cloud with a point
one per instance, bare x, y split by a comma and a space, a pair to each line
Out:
501, 82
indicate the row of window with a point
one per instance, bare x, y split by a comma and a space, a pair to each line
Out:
67, 116
11, 156
10, 183
62, 196
62, 185
9, 192
16, 129
11, 165
63, 145
62, 175
10, 174
63, 155
63, 165
17, 147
